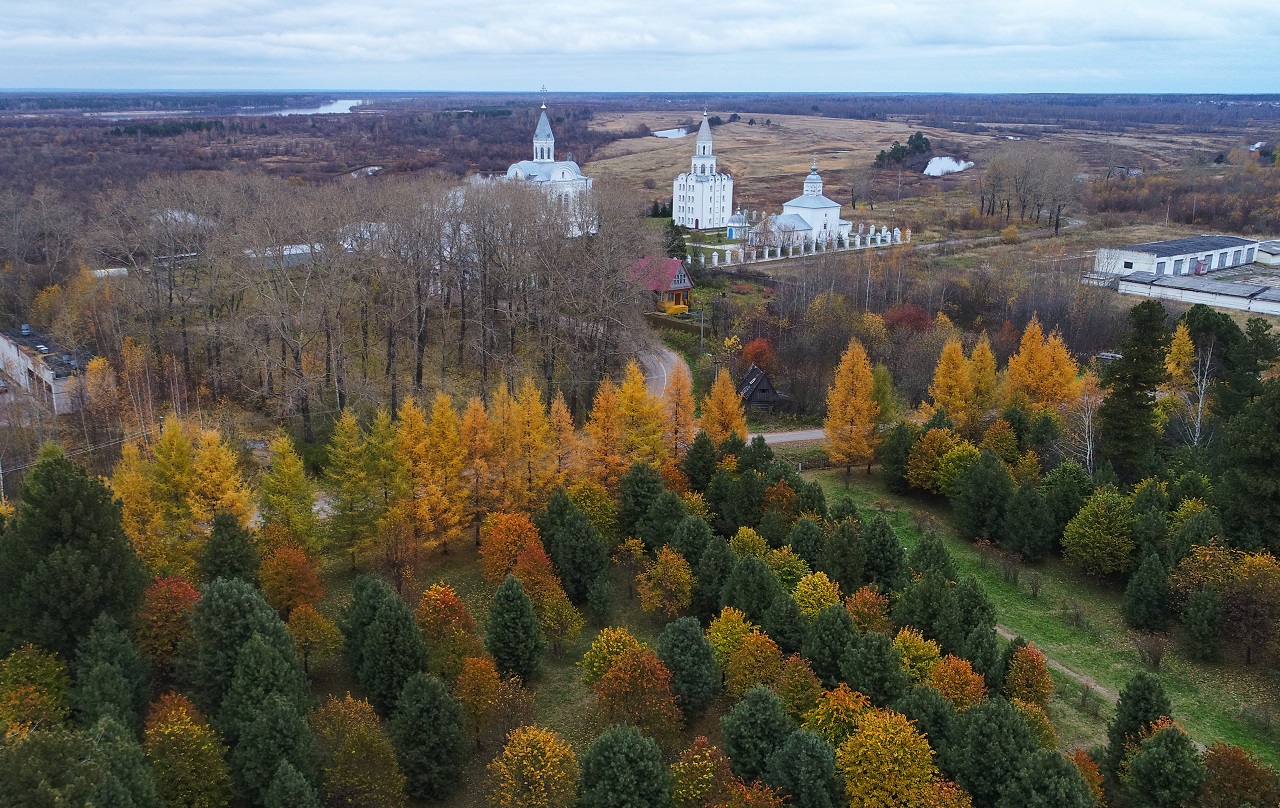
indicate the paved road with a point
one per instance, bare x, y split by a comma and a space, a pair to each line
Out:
658, 365
790, 436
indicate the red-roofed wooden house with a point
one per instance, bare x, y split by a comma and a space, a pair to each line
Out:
668, 280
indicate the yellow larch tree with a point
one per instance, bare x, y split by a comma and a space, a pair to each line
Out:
354, 504
1042, 373
1020, 375
850, 424
1180, 359
218, 485
445, 463
603, 451
952, 387
678, 411
476, 447
983, 379
643, 429
533, 474
564, 440
387, 478
722, 413
172, 476
131, 482
1061, 370
417, 509
502, 431
285, 493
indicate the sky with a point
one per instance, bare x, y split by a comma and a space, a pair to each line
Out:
1191, 46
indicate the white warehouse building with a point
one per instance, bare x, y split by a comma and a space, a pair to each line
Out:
1197, 255
702, 198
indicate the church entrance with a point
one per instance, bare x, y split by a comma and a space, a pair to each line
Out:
695, 224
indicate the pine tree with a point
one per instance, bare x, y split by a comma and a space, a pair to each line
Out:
578, 552
852, 411
644, 437
685, 651
893, 454
699, 463
1165, 771
1142, 703
289, 789
880, 556
128, 779
64, 559
831, 633
722, 413
512, 634
981, 495
659, 522
1202, 623
111, 676
952, 387
1146, 598
1127, 418
930, 555
277, 733
1249, 491
392, 651
752, 588
426, 730
286, 494
690, 538
1028, 528
715, 566
872, 665
995, 745
678, 412
227, 615
804, 770
623, 769
1047, 780
786, 624
842, 556
228, 552
261, 671
805, 539
755, 727
603, 451
937, 719
351, 493
637, 491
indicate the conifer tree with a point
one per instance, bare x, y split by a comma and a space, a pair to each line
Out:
1028, 528
445, 465
637, 491
786, 624
995, 745
286, 494
872, 666
952, 387
684, 649
1047, 780
173, 480
937, 719
111, 676
277, 733
565, 446
512, 634
756, 727
832, 631
578, 553
289, 789
1146, 597
426, 730
127, 779
1165, 771
981, 495
805, 538
894, 453
1142, 703
603, 452
1202, 623
64, 559
643, 430
351, 493
752, 588
930, 555
804, 770
218, 486
982, 378
842, 557
659, 522
714, 568
476, 440
699, 463
880, 556
261, 671
678, 412
387, 478
722, 413
852, 411
131, 483
623, 769
529, 450
228, 552
392, 652
1127, 417
690, 537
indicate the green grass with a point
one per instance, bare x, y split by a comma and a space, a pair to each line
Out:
1207, 699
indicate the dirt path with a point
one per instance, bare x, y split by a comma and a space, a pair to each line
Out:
1105, 692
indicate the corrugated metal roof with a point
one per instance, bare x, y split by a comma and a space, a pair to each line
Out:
1194, 283
1272, 294
1185, 246
1270, 247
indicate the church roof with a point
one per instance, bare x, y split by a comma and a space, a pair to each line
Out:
789, 222
545, 171
544, 127
817, 202
738, 220
704, 131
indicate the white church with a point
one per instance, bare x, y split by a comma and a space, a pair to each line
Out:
702, 198
562, 180
808, 221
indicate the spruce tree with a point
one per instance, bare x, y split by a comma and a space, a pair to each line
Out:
1202, 624
637, 490
1142, 701
261, 670
751, 587
842, 556
64, 559
994, 745
699, 463
803, 770
1046, 780
427, 733
939, 721
228, 552
228, 613
924, 605
512, 635
1150, 532
1249, 491
756, 727
550, 519
982, 494
881, 557
831, 632
1028, 525
289, 789
893, 453
805, 540
393, 652
1127, 417
368, 593
784, 622
1065, 489
930, 554
578, 553
684, 649
659, 522
690, 538
1146, 598
714, 568
1165, 771
623, 769
277, 733
127, 780
111, 676
873, 666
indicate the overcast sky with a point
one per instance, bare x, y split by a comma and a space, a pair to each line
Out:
654, 45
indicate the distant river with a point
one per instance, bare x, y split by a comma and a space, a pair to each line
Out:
342, 105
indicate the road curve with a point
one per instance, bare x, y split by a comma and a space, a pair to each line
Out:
658, 364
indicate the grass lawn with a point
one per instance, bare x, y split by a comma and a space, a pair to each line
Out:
1077, 623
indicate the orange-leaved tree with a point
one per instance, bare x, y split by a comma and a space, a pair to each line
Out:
502, 537
1028, 679
850, 425
756, 661
835, 716
952, 387
536, 769
636, 690
603, 452
869, 608
678, 411
955, 678
699, 775
289, 578
314, 636
448, 629
610, 644
476, 688
164, 621
722, 413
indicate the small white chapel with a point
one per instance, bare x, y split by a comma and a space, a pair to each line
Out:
807, 221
